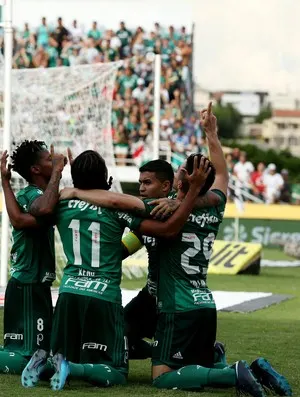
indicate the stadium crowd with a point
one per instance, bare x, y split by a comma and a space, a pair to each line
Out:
262, 181
132, 115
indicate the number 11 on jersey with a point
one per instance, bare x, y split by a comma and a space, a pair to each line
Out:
94, 228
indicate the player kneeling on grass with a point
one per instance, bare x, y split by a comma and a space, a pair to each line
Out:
183, 355
28, 305
88, 324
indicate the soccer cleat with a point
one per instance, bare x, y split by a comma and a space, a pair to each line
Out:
62, 371
269, 378
246, 382
31, 373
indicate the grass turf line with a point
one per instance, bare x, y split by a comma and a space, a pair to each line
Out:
272, 333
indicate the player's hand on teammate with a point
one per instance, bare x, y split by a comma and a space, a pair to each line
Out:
164, 207
208, 120
58, 160
5, 168
67, 193
200, 173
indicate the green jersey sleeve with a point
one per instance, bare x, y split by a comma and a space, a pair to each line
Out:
27, 196
32, 254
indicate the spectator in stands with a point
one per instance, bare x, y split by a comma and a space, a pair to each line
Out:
25, 35
257, 180
125, 37
273, 184
236, 155
166, 131
21, 59
121, 144
94, 33
229, 162
140, 92
243, 170
61, 33
286, 191
76, 32
43, 34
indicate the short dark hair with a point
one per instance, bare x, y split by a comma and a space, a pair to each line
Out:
89, 171
162, 169
25, 156
211, 176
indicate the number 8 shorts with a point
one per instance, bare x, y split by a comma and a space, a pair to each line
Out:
27, 317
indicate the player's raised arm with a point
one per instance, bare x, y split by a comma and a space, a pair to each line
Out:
18, 219
45, 204
175, 223
209, 124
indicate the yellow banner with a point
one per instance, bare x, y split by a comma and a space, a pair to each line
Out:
264, 211
227, 258
232, 257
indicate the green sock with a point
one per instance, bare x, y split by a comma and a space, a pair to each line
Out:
97, 374
103, 375
220, 365
140, 350
194, 377
76, 370
12, 363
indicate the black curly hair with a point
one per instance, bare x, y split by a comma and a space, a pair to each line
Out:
211, 176
89, 171
25, 156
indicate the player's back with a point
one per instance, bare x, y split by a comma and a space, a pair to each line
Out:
184, 261
32, 253
91, 238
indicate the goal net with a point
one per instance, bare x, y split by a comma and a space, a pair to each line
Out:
67, 107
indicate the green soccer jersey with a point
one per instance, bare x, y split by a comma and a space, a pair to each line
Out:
32, 255
183, 262
151, 246
91, 238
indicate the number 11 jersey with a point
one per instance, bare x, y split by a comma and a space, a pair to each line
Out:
91, 238
183, 261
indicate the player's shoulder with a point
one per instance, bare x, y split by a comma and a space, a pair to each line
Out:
28, 192
222, 196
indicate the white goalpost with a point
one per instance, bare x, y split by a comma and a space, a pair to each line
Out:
65, 106
8, 43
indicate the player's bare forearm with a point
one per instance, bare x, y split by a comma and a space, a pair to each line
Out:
45, 204
17, 218
208, 122
174, 224
103, 198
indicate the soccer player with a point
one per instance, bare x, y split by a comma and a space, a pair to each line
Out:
28, 304
184, 278
156, 180
91, 238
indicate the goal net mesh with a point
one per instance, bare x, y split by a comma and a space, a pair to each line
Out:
66, 107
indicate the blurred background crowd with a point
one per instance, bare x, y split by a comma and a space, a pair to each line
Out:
264, 182
133, 98
132, 113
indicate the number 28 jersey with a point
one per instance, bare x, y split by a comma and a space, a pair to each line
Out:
91, 238
183, 261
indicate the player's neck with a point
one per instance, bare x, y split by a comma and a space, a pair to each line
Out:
39, 182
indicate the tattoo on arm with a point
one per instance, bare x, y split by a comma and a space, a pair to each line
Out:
46, 203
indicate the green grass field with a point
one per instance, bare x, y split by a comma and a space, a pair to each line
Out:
273, 333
